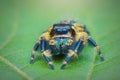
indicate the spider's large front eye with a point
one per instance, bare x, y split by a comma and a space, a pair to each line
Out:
64, 30
58, 30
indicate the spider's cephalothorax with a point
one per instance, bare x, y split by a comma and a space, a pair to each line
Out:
66, 37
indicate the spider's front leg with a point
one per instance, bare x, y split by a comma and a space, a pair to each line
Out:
48, 57
46, 52
93, 43
76, 47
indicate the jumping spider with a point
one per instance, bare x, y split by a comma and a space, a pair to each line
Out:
66, 37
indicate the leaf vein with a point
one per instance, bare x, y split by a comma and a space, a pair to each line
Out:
94, 53
92, 66
23, 74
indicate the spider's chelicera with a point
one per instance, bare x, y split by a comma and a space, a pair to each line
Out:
67, 38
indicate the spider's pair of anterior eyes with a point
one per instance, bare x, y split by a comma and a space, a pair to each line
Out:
61, 28
61, 31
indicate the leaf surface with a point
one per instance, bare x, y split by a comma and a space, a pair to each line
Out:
22, 22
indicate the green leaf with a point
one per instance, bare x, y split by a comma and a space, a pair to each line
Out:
22, 22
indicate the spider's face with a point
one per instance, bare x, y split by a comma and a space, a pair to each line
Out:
61, 28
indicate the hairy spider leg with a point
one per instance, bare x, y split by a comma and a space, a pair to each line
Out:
94, 44
48, 57
36, 46
76, 47
45, 49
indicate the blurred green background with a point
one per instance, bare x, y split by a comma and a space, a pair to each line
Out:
23, 21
